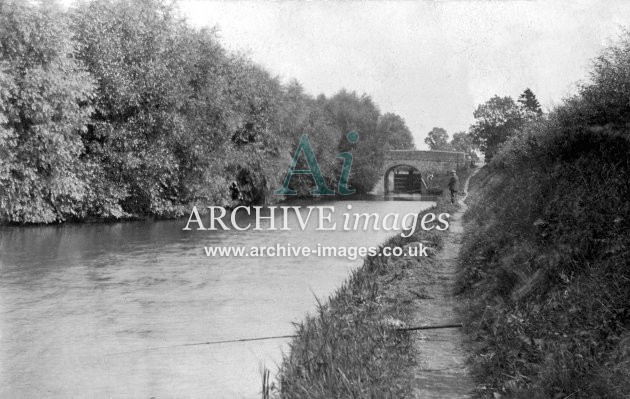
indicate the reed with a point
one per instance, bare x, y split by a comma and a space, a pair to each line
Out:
267, 384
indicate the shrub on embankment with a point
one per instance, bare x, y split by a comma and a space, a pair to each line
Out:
546, 250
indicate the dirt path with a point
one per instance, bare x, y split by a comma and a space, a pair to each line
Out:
441, 372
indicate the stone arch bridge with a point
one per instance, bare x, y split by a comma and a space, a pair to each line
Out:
410, 167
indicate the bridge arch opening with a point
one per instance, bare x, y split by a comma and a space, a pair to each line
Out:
402, 179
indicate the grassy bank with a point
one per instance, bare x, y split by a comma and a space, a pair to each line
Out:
544, 264
546, 249
350, 347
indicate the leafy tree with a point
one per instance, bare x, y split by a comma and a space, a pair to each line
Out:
44, 92
257, 146
120, 108
496, 120
351, 112
462, 142
394, 133
203, 147
437, 140
302, 114
135, 51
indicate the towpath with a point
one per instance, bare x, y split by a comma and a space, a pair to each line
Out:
441, 371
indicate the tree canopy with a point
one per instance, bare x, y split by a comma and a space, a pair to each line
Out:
463, 142
116, 108
500, 118
45, 96
437, 140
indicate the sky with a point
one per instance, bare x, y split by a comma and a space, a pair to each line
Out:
432, 62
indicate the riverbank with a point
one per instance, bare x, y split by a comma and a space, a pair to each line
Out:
351, 347
203, 210
119, 146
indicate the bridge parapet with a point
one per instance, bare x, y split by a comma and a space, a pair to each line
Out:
425, 156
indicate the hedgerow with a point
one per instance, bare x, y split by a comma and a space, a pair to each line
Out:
546, 250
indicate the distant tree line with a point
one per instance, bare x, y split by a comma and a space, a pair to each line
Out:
118, 108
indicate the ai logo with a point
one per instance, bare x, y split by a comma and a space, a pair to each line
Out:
313, 169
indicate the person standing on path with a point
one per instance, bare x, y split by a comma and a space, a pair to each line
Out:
453, 185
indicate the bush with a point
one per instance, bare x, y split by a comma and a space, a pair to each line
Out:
44, 97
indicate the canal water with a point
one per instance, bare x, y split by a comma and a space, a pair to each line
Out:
102, 310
